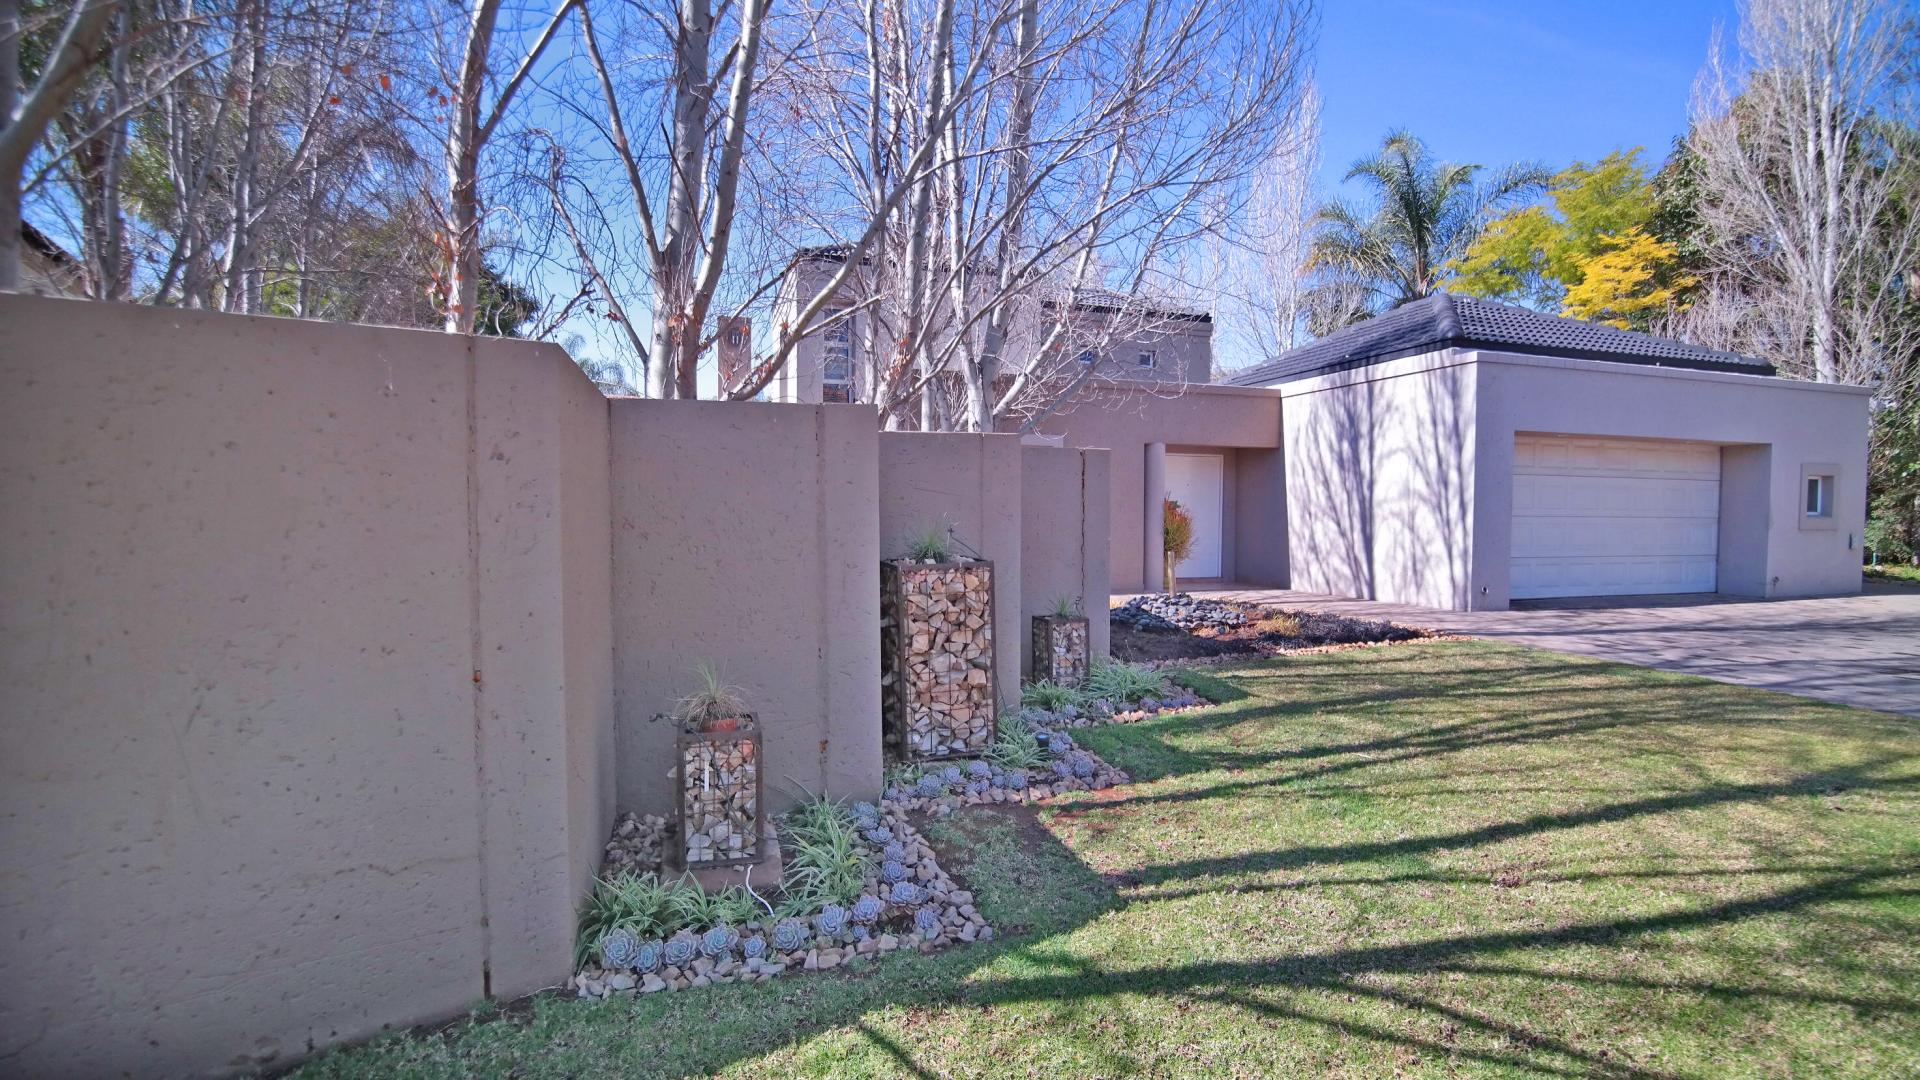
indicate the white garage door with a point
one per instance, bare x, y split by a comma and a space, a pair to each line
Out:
1613, 517
1196, 482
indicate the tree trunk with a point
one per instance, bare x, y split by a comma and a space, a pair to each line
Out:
26, 119
671, 374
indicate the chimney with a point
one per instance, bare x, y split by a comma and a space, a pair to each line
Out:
736, 351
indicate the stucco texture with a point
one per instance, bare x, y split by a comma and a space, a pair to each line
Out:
972, 483
1126, 422
255, 745
747, 536
1063, 548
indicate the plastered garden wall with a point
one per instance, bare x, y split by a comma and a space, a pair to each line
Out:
747, 536
296, 708
1064, 500
971, 482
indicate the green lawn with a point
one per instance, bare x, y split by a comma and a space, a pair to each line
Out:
1895, 572
1430, 860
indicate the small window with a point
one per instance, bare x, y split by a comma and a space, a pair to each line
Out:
1819, 496
1148, 359
1089, 357
733, 337
837, 394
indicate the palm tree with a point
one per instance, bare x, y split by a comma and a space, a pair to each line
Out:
1424, 214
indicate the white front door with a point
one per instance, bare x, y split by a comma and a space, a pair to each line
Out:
1614, 517
1196, 482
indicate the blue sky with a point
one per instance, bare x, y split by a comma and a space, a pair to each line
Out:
1496, 82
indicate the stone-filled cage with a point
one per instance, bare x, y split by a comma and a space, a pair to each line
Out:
1061, 648
937, 697
717, 812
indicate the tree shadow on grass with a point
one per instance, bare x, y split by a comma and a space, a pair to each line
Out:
1029, 882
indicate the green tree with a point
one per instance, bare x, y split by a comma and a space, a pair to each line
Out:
1586, 250
1423, 213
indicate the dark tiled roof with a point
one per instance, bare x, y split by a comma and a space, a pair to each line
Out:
1445, 320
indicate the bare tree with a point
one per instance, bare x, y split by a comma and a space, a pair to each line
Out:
26, 116
1071, 181
1804, 147
467, 136
1258, 273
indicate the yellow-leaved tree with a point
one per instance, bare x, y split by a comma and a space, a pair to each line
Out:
1626, 285
1585, 249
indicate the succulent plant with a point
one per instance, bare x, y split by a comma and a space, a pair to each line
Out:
1061, 743
895, 851
927, 920
680, 949
1101, 707
789, 934
861, 933
907, 894
865, 814
1083, 766
831, 921
718, 942
931, 786
977, 787
979, 770
1062, 768
867, 908
646, 959
1149, 704
878, 835
1015, 780
898, 791
893, 870
753, 948
952, 774
618, 947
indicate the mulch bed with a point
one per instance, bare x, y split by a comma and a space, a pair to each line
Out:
1180, 626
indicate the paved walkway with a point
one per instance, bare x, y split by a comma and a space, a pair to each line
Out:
1857, 650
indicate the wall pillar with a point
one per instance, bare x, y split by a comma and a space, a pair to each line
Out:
1154, 494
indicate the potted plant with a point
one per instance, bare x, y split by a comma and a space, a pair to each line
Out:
717, 773
1060, 644
937, 692
1176, 528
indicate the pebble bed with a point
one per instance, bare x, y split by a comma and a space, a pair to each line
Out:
908, 902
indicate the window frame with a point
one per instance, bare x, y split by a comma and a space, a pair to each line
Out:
1821, 479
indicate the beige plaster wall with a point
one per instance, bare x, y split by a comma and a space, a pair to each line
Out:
747, 535
1379, 483
971, 482
1064, 494
288, 743
1199, 417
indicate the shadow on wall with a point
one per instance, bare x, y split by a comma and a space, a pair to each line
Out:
1380, 489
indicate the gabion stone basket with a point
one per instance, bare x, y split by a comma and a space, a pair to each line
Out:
718, 808
1060, 645
937, 693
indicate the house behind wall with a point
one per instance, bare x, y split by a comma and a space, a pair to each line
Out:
1117, 338
328, 653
